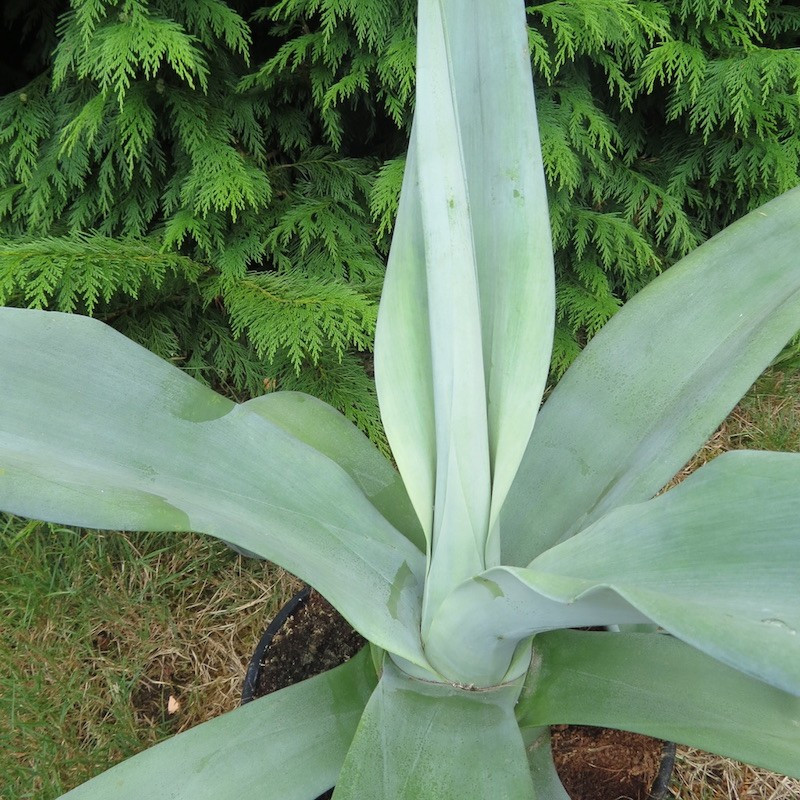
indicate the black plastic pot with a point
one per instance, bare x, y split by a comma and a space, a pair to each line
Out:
254, 667
660, 786
658, 791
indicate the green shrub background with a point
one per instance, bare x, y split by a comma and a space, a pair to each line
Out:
218, 180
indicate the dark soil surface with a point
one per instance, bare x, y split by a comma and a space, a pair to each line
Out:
603, 764
593, 763
313, 640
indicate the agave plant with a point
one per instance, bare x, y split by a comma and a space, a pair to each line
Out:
468, 570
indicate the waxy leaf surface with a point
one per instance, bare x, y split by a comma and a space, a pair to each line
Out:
423, 741
715, 561
653, 385
659, 686
99, 432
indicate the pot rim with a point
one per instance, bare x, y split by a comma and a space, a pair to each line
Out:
254, 667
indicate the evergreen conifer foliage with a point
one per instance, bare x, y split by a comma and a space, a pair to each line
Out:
218, 178
139, 185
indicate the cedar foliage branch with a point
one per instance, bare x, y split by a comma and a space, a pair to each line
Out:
243, 159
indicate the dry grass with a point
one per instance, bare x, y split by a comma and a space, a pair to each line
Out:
702, 776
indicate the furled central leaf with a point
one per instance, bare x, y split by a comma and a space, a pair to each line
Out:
466, 320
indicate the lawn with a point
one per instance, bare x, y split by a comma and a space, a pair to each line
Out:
112, 642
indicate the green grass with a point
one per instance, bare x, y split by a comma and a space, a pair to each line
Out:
101, 629
768, 418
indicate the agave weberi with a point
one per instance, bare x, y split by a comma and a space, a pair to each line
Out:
501, 533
